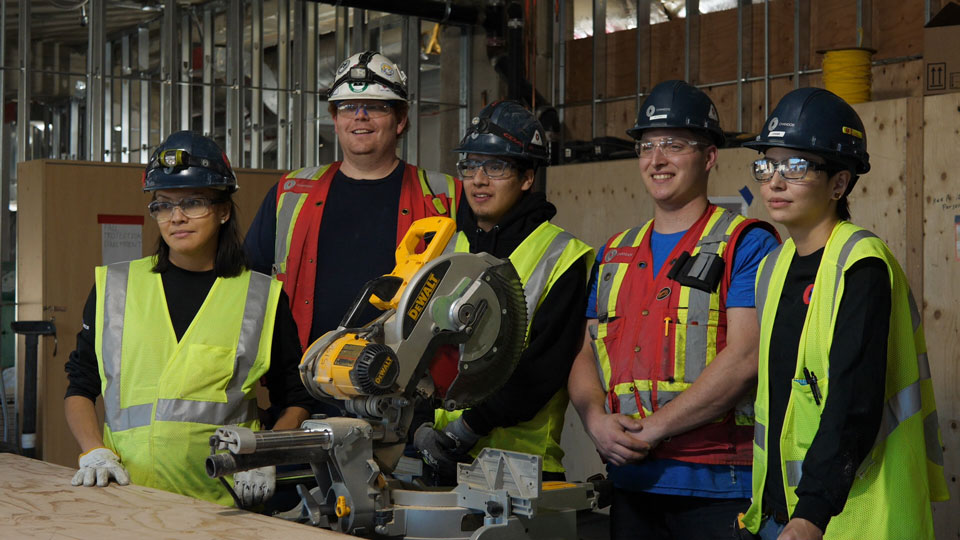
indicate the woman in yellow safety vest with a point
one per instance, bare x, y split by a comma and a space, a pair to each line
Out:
846, 443
176, 342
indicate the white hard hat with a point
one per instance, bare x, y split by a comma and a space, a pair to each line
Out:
369, 75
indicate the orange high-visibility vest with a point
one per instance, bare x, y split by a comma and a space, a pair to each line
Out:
301, 195
656, 336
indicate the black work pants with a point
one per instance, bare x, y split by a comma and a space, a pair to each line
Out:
654, 516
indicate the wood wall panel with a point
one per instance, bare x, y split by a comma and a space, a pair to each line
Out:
59, 246
718, 46
878, 201
666, 50
941, 295
897, 28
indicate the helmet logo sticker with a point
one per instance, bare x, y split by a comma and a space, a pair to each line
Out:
343, 67
537, 139
650, 110
850, 131
386, 69
658, 117
774, 122
713, 114
358, 87
778, 134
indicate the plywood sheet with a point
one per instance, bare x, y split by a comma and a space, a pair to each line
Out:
37, 501
941, 295
59, 244
878, 201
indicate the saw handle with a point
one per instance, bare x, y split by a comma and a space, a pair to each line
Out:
409, 262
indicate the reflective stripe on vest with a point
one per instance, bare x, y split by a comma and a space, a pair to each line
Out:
608, 282
288, 208
235, 410
115, 302
538, 280
432, 182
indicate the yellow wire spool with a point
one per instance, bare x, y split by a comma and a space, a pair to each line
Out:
846, 73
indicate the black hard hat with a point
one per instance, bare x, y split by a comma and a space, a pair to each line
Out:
506, 128
676, 104
817, 121
189, 160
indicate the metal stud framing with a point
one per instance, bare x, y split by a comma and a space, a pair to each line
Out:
256, 79
95, 69
107, 85
23, 91
411, 41
168, 37
207, 91
186, 68
234, 139
283, 83
143, 66
125, 70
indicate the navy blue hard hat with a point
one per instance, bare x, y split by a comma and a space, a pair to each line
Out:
817, 121
189, 160
508, 129
676, 104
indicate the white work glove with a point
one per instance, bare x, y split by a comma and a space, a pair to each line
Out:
98, 466
255, 486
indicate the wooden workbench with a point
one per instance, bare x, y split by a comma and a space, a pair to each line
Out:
37, 501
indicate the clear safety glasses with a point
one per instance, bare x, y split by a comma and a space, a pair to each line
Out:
792, 169
193, 208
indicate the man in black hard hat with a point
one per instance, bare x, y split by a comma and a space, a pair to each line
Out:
664, 377
503, 217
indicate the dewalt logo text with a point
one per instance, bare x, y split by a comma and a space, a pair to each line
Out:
426, 292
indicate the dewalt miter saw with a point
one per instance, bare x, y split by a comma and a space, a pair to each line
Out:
433, 301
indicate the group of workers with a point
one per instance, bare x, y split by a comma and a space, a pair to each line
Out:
736, 387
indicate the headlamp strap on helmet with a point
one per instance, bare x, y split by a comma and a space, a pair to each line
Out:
484, 126
175, 158
361, 73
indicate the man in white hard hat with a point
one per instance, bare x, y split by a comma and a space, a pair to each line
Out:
325, 231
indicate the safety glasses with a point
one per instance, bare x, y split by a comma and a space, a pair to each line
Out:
373, 110
492, 168
669, 146
792, 169
192, 207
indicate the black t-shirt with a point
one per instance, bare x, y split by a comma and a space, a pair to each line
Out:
851, 415
358, 242
185, 292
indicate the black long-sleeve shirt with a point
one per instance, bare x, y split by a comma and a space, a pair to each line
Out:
556, 329
853, 410
185, 292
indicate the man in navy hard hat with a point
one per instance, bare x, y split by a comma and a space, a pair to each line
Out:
663, 382
501, 152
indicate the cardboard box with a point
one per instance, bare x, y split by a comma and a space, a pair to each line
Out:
941, 52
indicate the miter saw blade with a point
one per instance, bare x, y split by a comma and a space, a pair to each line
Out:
492, 350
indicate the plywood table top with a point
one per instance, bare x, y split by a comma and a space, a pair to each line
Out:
37, 501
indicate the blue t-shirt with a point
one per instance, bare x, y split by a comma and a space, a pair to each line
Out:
671, 476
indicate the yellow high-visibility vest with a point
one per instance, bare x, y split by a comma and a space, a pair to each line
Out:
543, 256
890, 497
163, 398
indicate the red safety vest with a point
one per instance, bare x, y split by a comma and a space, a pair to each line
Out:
656, 336
301, 195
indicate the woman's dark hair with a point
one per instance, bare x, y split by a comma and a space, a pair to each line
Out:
231, 259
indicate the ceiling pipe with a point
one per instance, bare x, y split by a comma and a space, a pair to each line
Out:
444, 12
